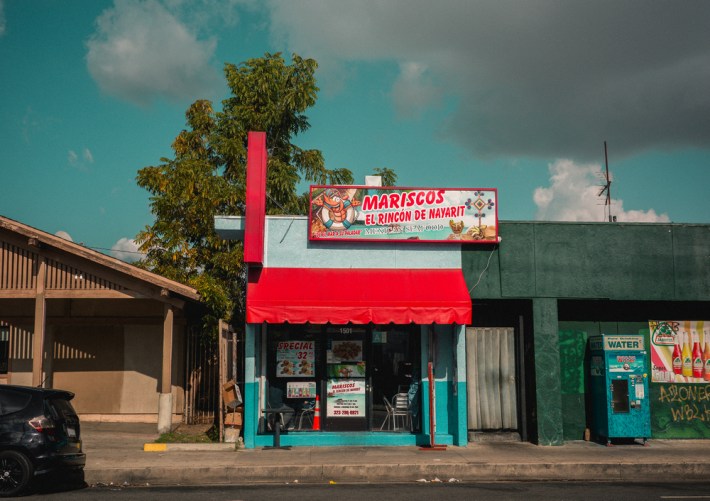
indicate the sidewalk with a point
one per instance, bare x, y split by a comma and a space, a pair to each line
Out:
114, 454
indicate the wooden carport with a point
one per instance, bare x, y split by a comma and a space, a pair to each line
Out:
87, 319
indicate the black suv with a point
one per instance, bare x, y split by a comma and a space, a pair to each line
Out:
39, 435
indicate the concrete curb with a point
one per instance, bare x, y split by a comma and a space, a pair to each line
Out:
214, 447
384, 473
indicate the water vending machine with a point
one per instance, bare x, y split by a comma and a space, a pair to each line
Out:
619, 387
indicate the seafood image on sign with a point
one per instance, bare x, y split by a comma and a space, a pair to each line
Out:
409, 214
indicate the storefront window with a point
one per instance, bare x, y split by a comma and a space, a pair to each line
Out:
360, 373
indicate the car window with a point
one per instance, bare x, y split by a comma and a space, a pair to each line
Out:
13, 401
60, 408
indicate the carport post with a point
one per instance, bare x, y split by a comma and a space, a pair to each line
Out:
40, 324
165, 405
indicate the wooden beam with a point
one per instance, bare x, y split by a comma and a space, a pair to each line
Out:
168, 326
39, 323
97, 320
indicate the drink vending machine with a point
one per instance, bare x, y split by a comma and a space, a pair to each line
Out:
619, 387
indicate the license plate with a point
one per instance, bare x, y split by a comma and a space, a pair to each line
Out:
71, 432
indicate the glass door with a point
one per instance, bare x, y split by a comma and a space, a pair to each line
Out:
346, 406
395, 360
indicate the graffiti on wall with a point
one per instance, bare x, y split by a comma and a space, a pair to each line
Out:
691, 402
680, 410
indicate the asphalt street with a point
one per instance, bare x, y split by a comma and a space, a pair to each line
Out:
414, 491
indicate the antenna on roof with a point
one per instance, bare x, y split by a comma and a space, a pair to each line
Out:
607, 187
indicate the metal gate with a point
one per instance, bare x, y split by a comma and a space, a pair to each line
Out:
202, 367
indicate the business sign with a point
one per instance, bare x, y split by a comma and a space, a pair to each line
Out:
680, 351
366, 213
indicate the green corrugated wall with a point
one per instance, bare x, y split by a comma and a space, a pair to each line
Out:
546, 261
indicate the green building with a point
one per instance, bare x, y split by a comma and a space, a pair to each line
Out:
553, 285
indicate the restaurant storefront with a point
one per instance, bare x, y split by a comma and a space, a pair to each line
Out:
356, 314
353, 343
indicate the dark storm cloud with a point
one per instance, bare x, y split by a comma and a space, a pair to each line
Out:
540, 78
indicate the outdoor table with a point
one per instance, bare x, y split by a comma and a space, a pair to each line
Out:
276, 413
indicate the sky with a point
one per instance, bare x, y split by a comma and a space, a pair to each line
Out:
518, 95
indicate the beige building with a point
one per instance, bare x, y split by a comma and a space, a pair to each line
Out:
76, 319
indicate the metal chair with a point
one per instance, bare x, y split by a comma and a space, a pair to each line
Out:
389, 419
306, 412
400, 404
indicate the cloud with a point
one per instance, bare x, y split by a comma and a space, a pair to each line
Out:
64, 235
141, 51
542, 79
573, 195
126, 250
414, 90
82, 163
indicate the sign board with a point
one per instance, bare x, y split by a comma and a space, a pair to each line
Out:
366, 213
680, 351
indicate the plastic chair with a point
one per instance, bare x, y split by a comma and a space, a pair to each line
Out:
400, 404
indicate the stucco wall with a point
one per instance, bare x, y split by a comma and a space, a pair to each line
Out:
287, 246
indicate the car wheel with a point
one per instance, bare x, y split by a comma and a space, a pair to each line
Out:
15, 473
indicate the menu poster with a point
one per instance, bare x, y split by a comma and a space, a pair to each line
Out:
346, 370
346, 398
345, 351
295, 359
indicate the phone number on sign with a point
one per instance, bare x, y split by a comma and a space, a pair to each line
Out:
345, 413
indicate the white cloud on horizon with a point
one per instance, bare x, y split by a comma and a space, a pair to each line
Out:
573, 195
543, 79
63, 234
141, 51
126, 249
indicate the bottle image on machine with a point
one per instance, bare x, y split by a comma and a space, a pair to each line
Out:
687, 356
697, 357
677, 355
706, 355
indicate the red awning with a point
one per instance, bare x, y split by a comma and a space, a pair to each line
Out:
360, 296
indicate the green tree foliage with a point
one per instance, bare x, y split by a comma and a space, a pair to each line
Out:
207, 177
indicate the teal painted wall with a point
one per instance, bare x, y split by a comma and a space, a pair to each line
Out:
251, 387
287, 246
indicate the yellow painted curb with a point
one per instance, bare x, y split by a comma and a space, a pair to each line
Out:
155, 447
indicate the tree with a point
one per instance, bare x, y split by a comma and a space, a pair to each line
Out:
207, 177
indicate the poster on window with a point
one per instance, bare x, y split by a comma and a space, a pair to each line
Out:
306, 389
295, 359
680, 351
346, 398
345, 351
